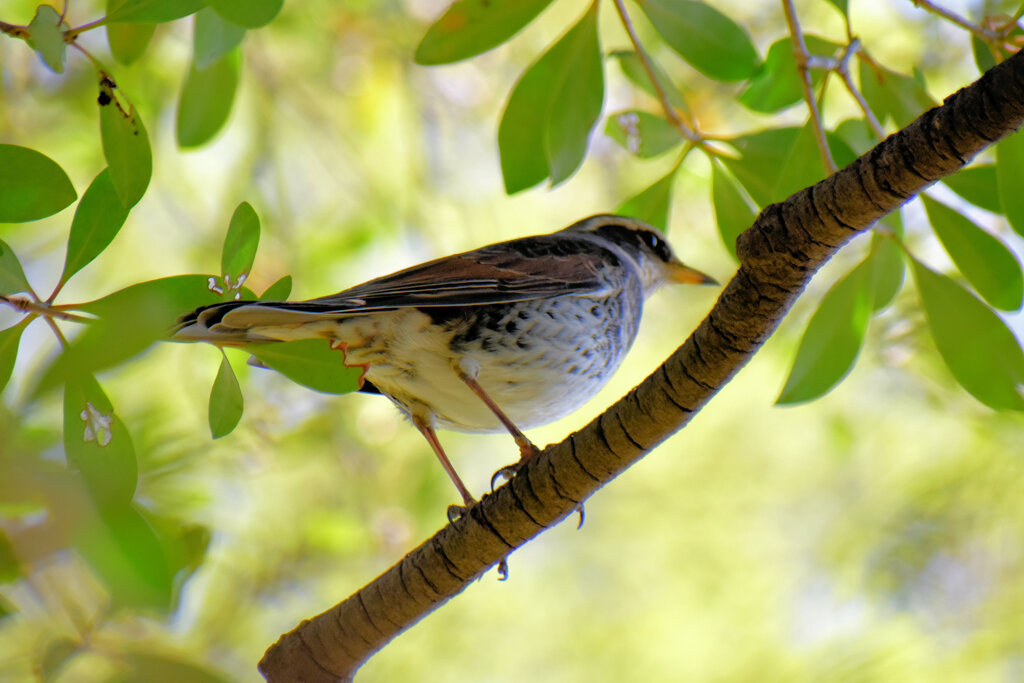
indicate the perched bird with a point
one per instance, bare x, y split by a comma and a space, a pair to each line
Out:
511, 335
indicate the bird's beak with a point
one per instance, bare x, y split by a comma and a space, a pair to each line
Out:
677, 272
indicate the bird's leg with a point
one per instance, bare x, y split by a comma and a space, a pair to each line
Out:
427, 429
467, 371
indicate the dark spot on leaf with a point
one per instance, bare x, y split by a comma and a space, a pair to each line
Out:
103, 99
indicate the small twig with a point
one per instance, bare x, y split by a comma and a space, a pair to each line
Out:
843, 69
670, 112
985, 34
803, 58
27, 305
14, 31
72, 33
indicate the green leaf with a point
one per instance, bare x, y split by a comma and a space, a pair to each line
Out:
832, 340
247, 13
225, 401
10, 567
892, 95
9, 340
97, 443
125, 146
47, 38
213, 38
976, 345
98, 219
983, 56
1009, 162
240, 243
278, 291
152, 665
552, 110
710, 41
840, 5
155, 11
131, 558
471, 27
206, 100
634, 70
311, 363
886, 264
776, 162
127, 41
733, 212
652, 204
32, 186
988, 265
642, 133
130, 321
978, 185
777, 85
12, 277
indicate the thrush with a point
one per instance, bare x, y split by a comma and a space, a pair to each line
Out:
508, 336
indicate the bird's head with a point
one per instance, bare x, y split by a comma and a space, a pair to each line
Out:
646, 246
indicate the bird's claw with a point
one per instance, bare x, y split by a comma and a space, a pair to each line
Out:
456, 512
505, 473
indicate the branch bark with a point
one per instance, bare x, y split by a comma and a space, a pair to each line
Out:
778, 256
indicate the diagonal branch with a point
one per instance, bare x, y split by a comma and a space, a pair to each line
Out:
778, 256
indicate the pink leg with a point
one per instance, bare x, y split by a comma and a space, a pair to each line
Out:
526, 448
428, 431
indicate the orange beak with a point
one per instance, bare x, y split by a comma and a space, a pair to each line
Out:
686, 275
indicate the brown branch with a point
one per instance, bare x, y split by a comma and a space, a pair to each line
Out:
778, 256
803, 58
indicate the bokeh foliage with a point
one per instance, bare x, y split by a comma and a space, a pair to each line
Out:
857, 535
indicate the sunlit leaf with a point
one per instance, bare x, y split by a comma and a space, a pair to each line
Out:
213, 38
978, 185
56, 654
130, 321
131, 558
241, 242
125, 146
12, 276
777, 85
804, 167
155, 11
32, 185
840, 5
206, 100
983, 56
98, 219
247, 13
987, 263
279, 291
634, 70
651, 205
554, 106
470, 27
832, 340
47, 39
9, 340
893, 95
733, 213
976, 345
642, 133
97, 443
225, 401
710, 41
1009, 162
127, 41
857, 134
312, 363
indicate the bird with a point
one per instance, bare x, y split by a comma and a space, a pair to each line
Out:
509, 336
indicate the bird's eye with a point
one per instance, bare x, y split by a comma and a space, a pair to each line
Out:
652, 240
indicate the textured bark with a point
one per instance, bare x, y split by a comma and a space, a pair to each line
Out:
779, 254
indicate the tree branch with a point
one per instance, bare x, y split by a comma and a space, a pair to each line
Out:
778, 256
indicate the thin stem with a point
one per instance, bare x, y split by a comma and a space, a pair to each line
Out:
802, 59
981, 32
72, 33
843, 69
670, 111
14, 30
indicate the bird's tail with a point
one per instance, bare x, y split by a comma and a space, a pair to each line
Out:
239, 323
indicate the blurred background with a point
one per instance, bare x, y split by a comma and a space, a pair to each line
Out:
875, 534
